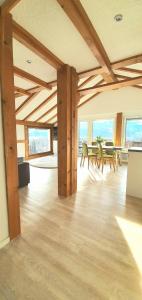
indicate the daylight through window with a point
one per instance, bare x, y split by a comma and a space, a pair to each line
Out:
133, 133
39, 140
103, 128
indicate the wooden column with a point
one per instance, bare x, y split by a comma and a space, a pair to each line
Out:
67, 130
9, 123
118, 135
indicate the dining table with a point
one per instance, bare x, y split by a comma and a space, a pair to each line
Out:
104, 147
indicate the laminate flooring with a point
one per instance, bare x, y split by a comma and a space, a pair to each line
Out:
84, 247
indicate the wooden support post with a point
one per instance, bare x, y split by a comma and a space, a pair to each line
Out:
118, 135
67, 100
9, 123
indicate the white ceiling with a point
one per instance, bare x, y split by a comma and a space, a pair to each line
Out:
120, 39
49, 24
38, 67
127, 100
45, 20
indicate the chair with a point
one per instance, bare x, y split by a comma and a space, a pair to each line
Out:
105, 156
109, 151
86, 154
118, 153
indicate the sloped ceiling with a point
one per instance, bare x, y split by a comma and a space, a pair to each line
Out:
120, 39
45, 20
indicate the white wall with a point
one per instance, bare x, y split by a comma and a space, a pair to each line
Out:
20, 136
4, 234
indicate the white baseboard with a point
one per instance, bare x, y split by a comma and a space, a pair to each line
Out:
4, 242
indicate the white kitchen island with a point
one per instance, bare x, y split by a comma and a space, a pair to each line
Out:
134, 175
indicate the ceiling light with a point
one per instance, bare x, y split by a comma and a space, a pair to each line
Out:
28, 61
118, 17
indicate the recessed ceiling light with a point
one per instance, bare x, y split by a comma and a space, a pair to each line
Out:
28, 61
118, 17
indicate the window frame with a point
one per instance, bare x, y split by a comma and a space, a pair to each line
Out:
129, 118
28, 155
106, 119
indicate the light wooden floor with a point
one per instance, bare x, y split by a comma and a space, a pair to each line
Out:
86, 247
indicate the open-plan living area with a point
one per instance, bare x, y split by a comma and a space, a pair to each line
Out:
70, 150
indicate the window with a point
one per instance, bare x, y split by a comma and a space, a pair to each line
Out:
103, 128
133, 133
39, 140
83, 131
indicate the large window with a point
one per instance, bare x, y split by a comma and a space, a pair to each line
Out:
103, 128
39, 140
133, 133
83, 131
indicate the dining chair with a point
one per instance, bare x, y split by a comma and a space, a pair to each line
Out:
105, 156
118, 153
87, 154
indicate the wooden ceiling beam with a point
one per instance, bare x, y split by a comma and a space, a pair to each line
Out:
87, 100
97, 84
34, 124
130, 70
112, 86
18, 95
116, 65
28, 40
127, 62
54, 94
127, 77
53, 83
86, 81
48, 99
46, 113
21, 91
52, 118
92, 97
79, 18
23, 74
91, 72
26, 102
8, 5
35, 89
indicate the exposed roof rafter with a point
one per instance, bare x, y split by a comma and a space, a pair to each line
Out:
23, 74
115, 65
77, 14
52, 118
46, 113
28, 40
35, 124
26, 102
48, 99
127, 77
87, 100
112, 86
130, 70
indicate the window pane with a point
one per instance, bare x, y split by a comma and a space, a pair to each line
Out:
103, 128
83, 131
39, 140
133, 133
